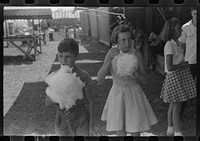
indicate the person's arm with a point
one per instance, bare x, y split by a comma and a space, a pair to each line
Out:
88, 93
141, 72
182, 40
106, 65
170, 66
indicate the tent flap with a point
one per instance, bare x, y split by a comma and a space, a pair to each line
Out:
27, 14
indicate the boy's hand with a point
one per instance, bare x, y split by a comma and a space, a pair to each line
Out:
92, 132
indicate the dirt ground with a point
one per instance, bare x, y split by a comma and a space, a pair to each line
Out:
25, 112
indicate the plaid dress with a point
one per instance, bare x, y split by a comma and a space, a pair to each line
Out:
178, 86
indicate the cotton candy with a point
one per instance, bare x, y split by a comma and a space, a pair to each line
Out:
64, 87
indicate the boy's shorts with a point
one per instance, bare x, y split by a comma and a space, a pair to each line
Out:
73, 123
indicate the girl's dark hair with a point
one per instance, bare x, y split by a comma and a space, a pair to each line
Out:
169, 29
68, 44
117, 30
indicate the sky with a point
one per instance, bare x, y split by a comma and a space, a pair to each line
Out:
26, 7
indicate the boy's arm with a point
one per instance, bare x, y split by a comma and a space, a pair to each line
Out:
88, 93
48, 101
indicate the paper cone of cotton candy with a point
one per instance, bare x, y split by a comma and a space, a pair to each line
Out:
127, 64
64, 87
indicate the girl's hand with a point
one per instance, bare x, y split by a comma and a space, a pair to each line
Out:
185, 64
112, 53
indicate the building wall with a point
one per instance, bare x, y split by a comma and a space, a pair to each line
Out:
96, 24
104, 26
84, 23
93, 24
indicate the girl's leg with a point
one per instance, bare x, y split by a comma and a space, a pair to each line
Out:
169, 115
170, 129
176, 118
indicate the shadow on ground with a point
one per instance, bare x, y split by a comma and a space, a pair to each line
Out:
17, 60
29, 114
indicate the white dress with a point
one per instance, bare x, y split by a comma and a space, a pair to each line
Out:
127, 106
64, 87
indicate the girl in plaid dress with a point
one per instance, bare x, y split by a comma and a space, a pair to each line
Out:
178, 85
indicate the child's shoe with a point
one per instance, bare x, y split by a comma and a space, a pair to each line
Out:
178, 134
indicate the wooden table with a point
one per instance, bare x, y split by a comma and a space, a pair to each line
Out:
32, 44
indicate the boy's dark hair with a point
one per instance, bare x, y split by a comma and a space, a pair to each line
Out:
117, 30
168, 29
68, 44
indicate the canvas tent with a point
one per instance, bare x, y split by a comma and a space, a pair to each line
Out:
14, 14
26, 14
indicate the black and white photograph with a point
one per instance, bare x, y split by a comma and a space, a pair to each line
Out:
99, 71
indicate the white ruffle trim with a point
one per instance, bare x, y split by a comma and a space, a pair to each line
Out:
127, 64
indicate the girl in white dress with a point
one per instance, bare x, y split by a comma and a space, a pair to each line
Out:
127, 107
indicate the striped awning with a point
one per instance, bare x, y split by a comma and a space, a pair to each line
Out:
14, 14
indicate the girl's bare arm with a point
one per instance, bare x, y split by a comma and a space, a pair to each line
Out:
106, 65
170, 66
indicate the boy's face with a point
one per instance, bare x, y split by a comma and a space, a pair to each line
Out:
67, 58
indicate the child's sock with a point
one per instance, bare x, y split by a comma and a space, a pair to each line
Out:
170, 129
178, 134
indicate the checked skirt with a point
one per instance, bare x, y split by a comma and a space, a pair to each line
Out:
178, 86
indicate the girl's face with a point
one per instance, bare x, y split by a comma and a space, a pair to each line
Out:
124, 41
67, 58
177, 30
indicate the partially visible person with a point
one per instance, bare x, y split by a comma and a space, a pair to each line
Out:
178, 85
70, 32
78, 33
66, 31
188, 41
51, 31
156, 47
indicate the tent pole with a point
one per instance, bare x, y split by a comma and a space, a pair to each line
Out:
33, 26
